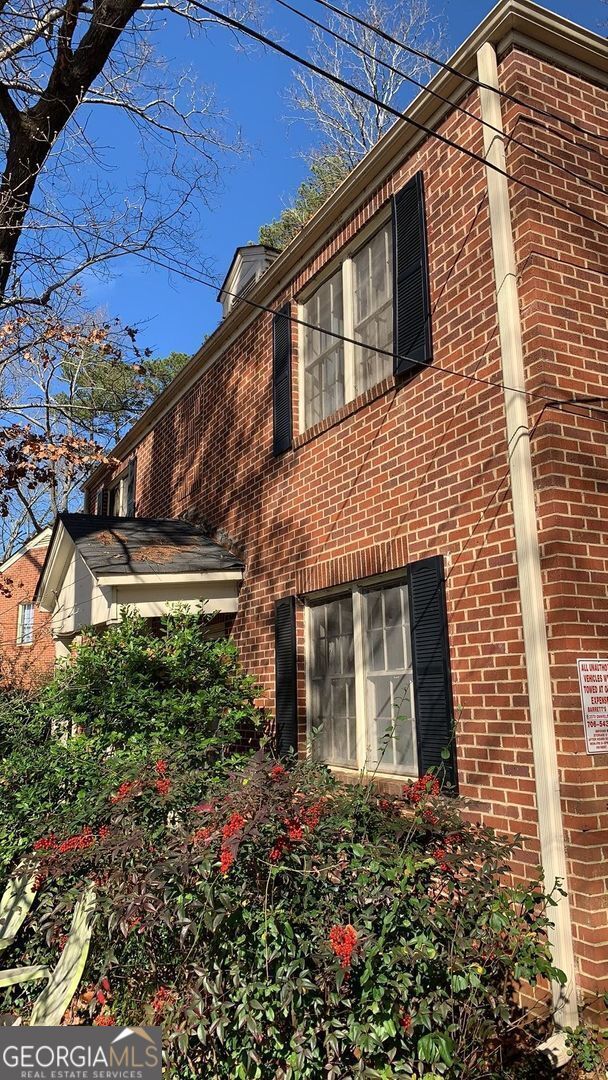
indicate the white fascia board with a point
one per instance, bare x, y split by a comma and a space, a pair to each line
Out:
54, 574
41, 539
169, 579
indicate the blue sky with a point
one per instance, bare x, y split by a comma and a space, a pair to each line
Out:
176, 314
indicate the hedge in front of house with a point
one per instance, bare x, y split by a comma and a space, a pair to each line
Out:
282, 925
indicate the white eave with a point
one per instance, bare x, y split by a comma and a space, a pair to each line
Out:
41, 539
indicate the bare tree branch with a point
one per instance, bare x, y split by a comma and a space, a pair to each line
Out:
348, 125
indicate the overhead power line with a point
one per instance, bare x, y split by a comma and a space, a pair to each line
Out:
296, 320
512, 139
461, 74
256, 35
189, 275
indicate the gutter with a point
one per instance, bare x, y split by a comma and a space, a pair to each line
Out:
536, 649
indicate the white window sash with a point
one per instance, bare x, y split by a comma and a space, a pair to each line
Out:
351, 351
25, 624
365, 753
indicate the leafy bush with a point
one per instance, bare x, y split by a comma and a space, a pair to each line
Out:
279, 924
124, 697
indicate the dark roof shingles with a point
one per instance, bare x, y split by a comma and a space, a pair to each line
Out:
122, 546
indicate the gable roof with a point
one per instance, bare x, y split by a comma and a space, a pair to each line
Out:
119, 548
521, 23
40, 539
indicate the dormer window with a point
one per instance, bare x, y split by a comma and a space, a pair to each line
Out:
247, 267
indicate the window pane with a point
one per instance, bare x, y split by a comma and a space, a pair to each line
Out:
373, 309
324, 354
25, 624
332, 682
389, 702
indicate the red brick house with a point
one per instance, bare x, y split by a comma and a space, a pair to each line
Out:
381, 435
27, 650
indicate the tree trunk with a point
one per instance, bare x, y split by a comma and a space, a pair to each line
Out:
33, 133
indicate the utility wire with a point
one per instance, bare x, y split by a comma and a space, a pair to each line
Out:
461, 74
422, 364
441, 97
249, 31
165, 264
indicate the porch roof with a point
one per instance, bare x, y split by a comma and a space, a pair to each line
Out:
94, 565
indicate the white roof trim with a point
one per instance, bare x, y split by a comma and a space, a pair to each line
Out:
168, 579
41, 539
54, 572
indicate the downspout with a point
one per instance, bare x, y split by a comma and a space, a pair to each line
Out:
550, 823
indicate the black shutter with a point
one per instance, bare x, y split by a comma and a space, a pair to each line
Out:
431, 667
411, 304
285, 675
131, 475
101, 503
281, 380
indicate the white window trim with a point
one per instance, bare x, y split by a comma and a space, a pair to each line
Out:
355, 589
20, 612
345, 264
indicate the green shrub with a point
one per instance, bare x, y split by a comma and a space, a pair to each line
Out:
281, 925
125, 697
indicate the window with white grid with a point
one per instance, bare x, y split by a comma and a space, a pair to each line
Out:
373, 310
25, 624
357, 303
359, 678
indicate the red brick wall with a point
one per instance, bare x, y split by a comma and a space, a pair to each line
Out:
419, 469
563, 262
24, 666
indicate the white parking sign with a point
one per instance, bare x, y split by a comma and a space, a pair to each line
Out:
593, 680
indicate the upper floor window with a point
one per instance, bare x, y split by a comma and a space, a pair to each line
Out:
117, 497
25, 624
118, 500
355, 303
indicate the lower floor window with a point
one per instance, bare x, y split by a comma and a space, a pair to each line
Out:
359, 672
25, 624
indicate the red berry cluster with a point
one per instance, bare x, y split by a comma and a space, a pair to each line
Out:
277, 772
161, 767
311, 815
123, 792
226, 860
439, 855
423, 787
105, 1021
343, 941
81, 842
202, 836
163, 786
282, 844
308, 817
233, 825
406, 1023
46, 843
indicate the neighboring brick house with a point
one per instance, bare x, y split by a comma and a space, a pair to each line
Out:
27, 650
423, 528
